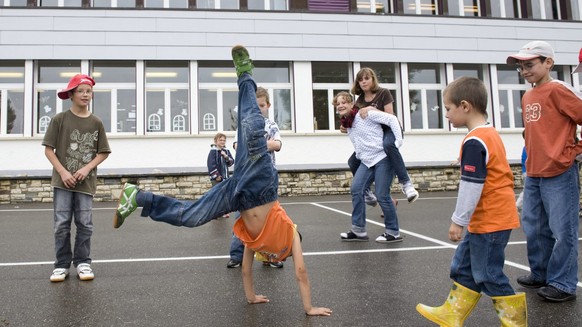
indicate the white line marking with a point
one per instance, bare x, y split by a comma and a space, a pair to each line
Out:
430, 239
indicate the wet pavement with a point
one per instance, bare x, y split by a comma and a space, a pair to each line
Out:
153, 274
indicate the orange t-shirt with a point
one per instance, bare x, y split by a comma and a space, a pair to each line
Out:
496, 210
276, 238
551, 112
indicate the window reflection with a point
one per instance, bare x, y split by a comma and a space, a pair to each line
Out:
52, 77
167, 103
114, 99
425, 96
329, 78
114, 3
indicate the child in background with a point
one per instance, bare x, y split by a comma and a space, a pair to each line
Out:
264, 226
274, 144
219, 159
486, 206
552, 111
75, 144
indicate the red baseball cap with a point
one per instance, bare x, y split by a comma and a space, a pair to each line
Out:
578, 68
74, 82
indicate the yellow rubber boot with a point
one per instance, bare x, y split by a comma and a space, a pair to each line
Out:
511, 310
456, 308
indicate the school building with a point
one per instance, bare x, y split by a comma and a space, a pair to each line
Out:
166, 83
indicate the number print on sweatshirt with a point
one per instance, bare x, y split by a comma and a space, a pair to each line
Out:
533, 112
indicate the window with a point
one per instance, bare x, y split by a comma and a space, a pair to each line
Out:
53, 76
11, 97
166, 3
114, 96
329, 78
268, 5
502, 8
114, 3
13, 3
218, 93
511, 88
373, 6
166, 95
418, 7
461, 8
61, 3
217, 4
425, 85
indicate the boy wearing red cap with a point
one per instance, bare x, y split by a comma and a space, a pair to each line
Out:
552, 110
75, 144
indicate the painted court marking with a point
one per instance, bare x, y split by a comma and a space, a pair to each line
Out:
439, 244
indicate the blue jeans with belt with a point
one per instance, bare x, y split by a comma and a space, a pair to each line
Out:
254, 182
550, 221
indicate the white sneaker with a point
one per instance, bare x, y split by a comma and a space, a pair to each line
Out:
59, 275
410, 191
85, 272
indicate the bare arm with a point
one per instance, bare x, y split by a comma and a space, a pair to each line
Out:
247, 275
274, 145
66, 176
303, 280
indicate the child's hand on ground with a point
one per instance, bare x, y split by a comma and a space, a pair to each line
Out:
258, 299
455, 232
319, 312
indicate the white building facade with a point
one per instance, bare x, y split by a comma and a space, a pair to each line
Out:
166, 84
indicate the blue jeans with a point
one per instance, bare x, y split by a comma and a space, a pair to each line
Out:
382, 174
550, 222
67, 205
478, 263
393, 154
236, 247
254, 182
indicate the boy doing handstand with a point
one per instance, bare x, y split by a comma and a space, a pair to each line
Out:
486, 206
264, 226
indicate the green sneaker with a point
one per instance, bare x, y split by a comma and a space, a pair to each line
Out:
242, 61
126, 205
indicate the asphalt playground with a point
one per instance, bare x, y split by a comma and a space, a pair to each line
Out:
152, 274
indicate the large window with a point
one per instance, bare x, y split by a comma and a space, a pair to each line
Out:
218, 94
114, 96
52, 77
329, 78
511, 88
425, 85
11, 97
167, 100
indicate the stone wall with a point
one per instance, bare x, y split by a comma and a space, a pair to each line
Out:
192, 186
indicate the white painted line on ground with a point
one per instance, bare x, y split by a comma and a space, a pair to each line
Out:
430, 239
